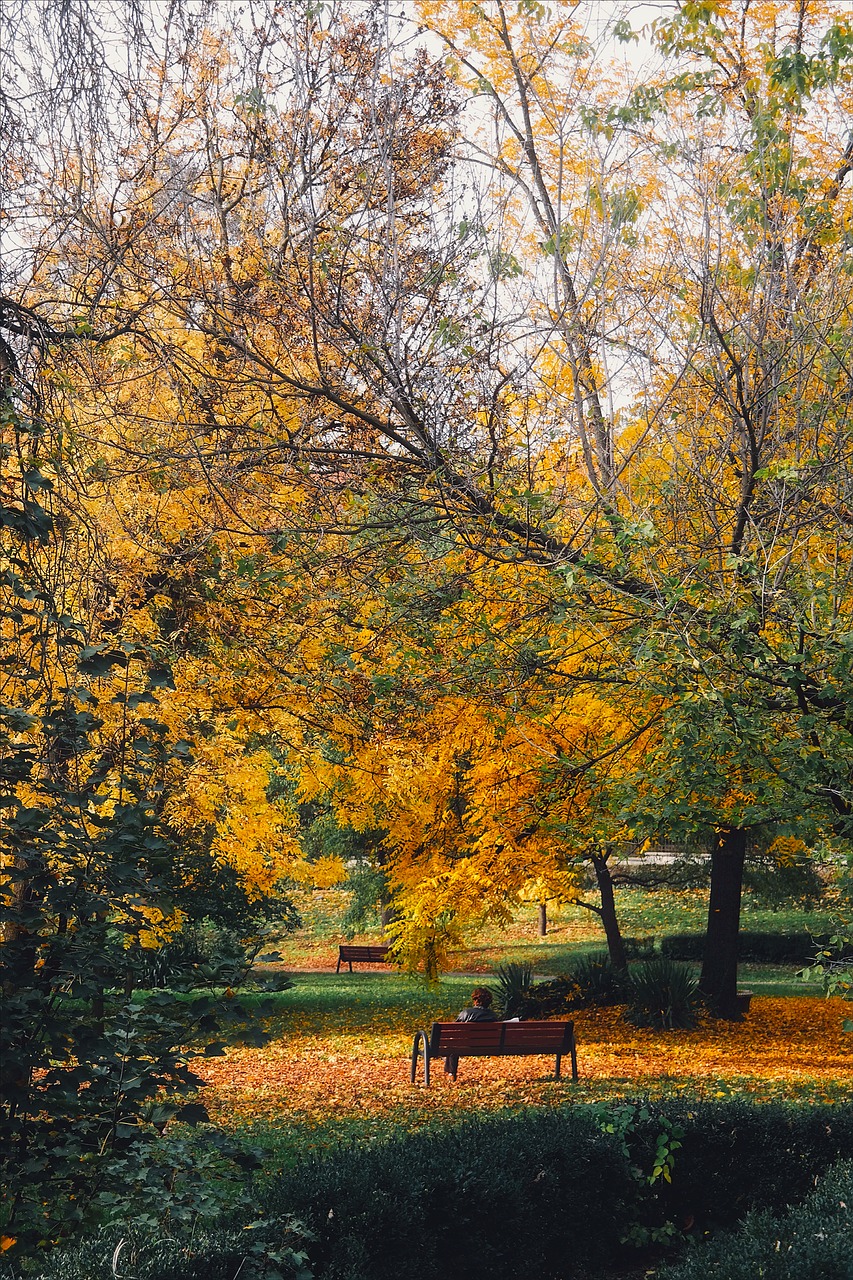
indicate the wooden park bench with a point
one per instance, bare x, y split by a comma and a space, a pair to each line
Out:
456, 1040
361, 955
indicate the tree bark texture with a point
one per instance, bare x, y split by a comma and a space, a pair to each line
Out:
615, 945
718, 982
543, 919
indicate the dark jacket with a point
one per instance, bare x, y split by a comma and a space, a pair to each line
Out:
476, 1015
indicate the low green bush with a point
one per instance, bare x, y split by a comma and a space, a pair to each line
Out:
813, 1241
508, 1196
488, 1198
550, 997
763, 948
662, 993
270, 1251
514, 1196
639, 948
595, 981
737, 1156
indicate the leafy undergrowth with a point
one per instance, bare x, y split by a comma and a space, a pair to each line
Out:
332, 1062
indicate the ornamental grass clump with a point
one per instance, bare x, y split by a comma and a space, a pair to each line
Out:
596, 981
663, 994
514, 981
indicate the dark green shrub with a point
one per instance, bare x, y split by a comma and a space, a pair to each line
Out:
546, 1193
512, 1196
662, 993
553, 995
737, 1156
596, 981
639, 948
269, 1251
813, 1241
683, 946
514, 981
760, 947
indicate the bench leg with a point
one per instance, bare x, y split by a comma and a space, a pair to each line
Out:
557, 1066
338, 965
574, 1052
350, 966
421, 1038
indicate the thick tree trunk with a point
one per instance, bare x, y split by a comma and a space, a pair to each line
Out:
719, 965
543, 919
615, 945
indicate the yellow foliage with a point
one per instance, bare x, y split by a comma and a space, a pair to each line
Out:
160, 927
323, 873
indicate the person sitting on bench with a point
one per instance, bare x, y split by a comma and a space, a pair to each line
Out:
481, 1011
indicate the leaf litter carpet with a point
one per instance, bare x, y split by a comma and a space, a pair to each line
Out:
784, 1046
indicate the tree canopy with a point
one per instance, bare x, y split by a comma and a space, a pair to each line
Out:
445, 418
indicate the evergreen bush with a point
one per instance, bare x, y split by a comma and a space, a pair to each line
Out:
489, 1198
662, 993
549, 1193
639, 948
551, 996
270, 1251
595, 981
756, 946
813, 1241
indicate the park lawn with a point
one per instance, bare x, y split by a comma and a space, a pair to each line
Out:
338, 1060
572, 931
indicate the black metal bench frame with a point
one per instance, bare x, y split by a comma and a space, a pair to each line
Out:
457, 1040
377, 954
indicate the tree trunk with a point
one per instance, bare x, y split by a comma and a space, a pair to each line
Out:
615, 945
543, 919
718, 982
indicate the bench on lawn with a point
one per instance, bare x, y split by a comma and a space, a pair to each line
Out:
362, 955
456, 1040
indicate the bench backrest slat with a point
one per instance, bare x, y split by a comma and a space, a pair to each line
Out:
480, 1035
548, 1034
550, 1037
363, 953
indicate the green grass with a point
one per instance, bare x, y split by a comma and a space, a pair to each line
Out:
650, 914
355, 1002
572, 931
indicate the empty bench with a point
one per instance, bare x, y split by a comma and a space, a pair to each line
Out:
456, 1040
361, 955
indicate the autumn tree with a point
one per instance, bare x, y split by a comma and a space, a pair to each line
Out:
696, 372
593, 326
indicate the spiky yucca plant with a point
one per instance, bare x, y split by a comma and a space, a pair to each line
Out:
662, 993
596, 981
514, 979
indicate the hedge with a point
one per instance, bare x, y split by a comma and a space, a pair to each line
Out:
544, 1193
765, 948
813, 1241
